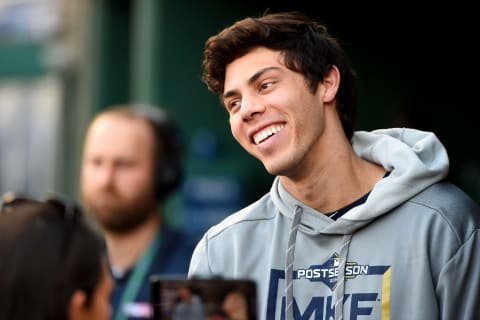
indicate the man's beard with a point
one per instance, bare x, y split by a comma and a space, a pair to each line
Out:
120, 217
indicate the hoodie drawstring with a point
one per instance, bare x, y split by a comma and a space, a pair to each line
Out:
292, 236
339, 291
340, 285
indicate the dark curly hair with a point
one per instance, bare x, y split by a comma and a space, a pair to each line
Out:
306, 47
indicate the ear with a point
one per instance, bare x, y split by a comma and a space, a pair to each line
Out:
330, 84
77, 305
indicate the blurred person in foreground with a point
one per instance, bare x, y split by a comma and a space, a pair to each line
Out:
52, 263
132, 161
356, 224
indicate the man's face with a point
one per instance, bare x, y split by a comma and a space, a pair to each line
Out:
117, 176
273, 114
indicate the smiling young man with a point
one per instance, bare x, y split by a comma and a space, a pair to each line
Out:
356, 224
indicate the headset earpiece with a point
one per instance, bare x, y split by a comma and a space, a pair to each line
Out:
168, 166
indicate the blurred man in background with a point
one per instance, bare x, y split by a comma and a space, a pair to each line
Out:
132, 161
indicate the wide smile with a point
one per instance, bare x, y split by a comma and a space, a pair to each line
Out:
267, 132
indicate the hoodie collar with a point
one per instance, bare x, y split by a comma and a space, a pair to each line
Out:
416, 159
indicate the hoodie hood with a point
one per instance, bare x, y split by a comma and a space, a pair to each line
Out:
416, 159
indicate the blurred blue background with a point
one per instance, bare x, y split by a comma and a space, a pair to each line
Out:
63, 61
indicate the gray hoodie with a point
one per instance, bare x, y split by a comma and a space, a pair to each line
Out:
410, 251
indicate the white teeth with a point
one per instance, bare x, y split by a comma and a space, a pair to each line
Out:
265, 133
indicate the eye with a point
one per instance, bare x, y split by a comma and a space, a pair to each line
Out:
95, 161
233, 105
265, 85
124, 163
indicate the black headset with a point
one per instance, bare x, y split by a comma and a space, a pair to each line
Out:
169, 149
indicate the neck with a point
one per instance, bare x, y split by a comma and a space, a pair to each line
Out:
333, 176
125, 249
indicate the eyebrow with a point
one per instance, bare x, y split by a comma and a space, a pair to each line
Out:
251, 80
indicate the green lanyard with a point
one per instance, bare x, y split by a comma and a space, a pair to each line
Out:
138, 274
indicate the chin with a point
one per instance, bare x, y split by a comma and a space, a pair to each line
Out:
273, 170
279, 169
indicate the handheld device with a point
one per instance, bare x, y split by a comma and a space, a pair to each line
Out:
174, 298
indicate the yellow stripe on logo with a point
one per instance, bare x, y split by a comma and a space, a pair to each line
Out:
387, 278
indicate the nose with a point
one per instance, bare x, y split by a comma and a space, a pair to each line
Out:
105, 174
250, 107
